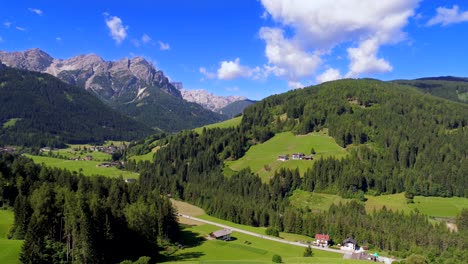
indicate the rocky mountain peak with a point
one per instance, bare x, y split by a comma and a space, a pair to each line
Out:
33, 59
109, 79
208, 100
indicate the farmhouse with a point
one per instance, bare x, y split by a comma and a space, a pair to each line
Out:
283, 157
224, 234
322, 240
297, 156
307, 158
349, 244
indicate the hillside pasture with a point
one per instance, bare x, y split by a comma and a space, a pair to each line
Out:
315, 201
88, 168
75, 151
234, 122
262, 158
438, 207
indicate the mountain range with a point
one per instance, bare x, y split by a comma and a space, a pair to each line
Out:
132, 86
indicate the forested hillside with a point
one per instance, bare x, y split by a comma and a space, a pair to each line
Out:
452, 88
40, 110
69, 218
409, 141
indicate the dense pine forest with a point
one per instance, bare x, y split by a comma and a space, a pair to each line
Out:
69, 218
40, 110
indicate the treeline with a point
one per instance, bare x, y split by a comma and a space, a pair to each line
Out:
410, 141
189, 167
49, 112
69, 218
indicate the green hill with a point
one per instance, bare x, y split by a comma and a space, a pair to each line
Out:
408, 140
452, 88
40, 110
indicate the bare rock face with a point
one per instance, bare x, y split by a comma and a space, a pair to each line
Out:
33, 60
112, 81
208, 100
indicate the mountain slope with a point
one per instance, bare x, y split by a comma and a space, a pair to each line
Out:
408, 140
448, 87
236, 108
40, 110
123, 84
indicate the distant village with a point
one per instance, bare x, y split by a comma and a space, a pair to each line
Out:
111, 149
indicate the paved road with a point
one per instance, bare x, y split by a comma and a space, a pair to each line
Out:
261, 236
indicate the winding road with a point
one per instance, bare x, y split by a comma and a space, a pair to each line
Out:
261, 236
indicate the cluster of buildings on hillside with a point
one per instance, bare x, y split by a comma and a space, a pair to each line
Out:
295, 156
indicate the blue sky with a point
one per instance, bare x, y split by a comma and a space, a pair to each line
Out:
249, 47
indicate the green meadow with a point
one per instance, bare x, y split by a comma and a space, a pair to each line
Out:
9, 249
262, 158
242, 249
88, 168
75, 151
438, 207
234, 122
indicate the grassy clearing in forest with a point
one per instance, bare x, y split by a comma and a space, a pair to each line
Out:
9, 249
234, 122
262, 158
88, 168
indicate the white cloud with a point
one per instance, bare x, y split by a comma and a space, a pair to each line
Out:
233, 69
320, 25
1, 39
329, 75
36, 11
117, 30
364, 59
21, 28
164, 46
58, 39
145, 39
7, 24
447, 16
206, 73
288, 57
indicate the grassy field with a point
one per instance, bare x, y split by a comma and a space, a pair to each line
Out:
148, 156
438, 207
78, 151
225, 124
9, 249
286, 143
243, 249
315, 201
88, 168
